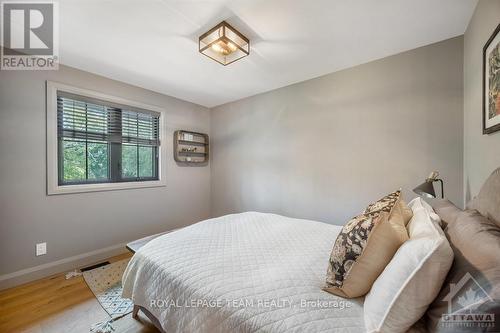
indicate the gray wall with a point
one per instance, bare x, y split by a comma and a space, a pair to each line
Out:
481, 152
79, 224
324, 148
321, 149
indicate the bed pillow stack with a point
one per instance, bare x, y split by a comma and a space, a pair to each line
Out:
414, 276
365, 246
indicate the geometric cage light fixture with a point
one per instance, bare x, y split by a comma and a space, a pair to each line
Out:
224, 44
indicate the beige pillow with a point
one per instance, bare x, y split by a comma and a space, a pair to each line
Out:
365, 246
487, 201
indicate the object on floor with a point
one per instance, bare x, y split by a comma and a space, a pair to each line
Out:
106, 284
104, 327
89, 268
73, 274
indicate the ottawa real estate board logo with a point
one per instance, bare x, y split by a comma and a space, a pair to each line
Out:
29, 36
465, 300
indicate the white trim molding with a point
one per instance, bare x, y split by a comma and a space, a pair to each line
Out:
53, 186
56, 267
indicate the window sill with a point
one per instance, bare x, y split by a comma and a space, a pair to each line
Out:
84, 188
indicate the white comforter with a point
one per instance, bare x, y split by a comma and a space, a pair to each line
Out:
249, 272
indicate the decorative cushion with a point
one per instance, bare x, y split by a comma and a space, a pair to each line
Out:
475, 240
487, 201
403, 207
414, 276
365, 245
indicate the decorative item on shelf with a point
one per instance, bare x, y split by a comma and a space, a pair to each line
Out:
191, 147
426, 189
224, 44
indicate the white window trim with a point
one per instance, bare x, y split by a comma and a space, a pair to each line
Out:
53, 186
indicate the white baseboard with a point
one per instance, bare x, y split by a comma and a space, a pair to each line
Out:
59, 266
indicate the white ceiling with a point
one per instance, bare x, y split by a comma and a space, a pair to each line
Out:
154, 43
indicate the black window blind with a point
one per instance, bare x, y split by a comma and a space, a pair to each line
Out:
86, 126
79, 117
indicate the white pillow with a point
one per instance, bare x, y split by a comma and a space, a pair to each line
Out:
413, 278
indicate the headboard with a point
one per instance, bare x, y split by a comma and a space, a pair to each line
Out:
487, 202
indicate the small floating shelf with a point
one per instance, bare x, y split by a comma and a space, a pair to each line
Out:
191, 147
194, 143
192, 153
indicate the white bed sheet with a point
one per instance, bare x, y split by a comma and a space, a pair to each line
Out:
249, 272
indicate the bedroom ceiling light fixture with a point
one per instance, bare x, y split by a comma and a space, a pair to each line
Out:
224, 44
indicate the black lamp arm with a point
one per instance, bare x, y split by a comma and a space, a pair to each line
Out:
442, 186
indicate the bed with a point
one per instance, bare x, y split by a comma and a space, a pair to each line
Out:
265, 270
256, 272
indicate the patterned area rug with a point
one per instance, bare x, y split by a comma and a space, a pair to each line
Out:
106, 284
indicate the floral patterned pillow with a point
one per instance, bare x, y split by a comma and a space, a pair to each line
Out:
365, 246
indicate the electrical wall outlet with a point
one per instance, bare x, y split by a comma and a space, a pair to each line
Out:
41, 249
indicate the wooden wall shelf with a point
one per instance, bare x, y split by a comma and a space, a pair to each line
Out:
191, 147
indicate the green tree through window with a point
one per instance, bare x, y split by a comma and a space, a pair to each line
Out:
105, 143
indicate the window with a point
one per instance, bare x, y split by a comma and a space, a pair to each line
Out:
100, 143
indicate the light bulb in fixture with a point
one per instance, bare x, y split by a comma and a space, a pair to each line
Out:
232, 47
217, 48
223, 48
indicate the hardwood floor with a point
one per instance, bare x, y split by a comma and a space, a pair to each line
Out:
57, 305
